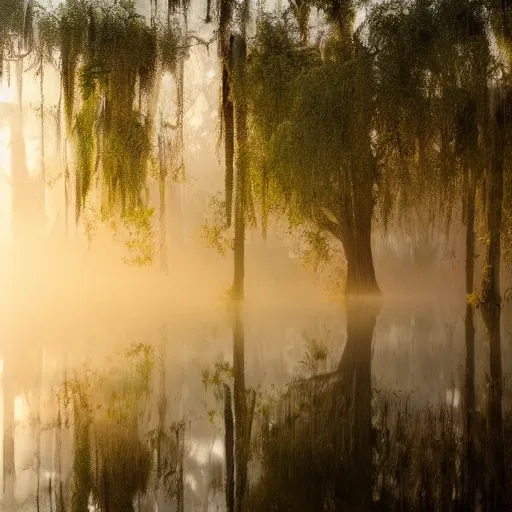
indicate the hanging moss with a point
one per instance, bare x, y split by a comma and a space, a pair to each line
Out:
86, 146
48, 35
171, 47
73, 24
16, 25
12, 14
119, 59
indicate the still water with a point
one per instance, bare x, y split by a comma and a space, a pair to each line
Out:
349, 406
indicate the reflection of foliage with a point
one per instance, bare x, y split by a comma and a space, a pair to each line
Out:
221, 374
167, 442
216, 379
316, 354
415, 457
111, 458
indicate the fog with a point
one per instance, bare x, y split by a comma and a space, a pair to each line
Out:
71, 305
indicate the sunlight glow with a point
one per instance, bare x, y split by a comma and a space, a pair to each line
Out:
453, 397
218, 448
6, 93
20, 408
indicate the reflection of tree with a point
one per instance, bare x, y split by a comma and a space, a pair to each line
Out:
321, 448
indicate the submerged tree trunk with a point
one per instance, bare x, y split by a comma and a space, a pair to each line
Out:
491, 309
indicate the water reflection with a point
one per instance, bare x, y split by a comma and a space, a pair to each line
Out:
373, 405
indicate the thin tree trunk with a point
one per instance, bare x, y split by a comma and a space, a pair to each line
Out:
470, 483
43, 159
227, 109
229, 437
491, 311
66, 188
38, 431
161, 189
239, 389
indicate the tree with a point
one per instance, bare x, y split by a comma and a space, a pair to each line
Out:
320, 152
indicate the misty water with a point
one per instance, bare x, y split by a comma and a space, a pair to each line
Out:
199, 205
316, 444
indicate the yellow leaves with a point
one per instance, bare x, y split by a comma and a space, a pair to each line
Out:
473, 299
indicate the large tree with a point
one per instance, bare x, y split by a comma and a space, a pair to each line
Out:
314, 111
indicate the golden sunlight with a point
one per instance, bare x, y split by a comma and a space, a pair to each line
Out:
6, 93
20, 408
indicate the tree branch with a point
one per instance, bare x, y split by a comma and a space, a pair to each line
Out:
329, 223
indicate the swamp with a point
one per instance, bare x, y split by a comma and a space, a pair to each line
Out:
256, 255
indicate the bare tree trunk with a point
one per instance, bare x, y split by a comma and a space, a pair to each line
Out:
227, 114
43, 162
161, 189
239, 389
469, 412
491, 309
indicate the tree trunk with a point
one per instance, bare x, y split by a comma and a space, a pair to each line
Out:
162, 178
469, 412
361, 278
242, 430
239, 390
227, 113
491, 306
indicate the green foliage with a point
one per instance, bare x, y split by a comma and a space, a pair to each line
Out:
141, 237
214, 232
432, 63
16, 30
120, 56
171, 47
48, 35
111, 458
109, 54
